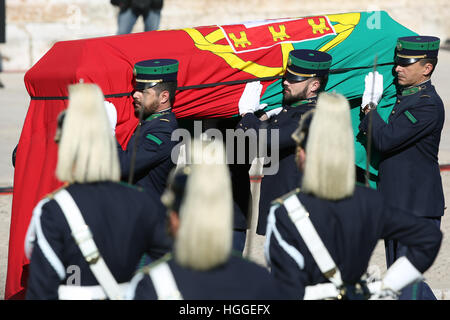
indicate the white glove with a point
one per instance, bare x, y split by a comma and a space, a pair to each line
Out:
379, 293
373, 90
112, 115
321, 291
249, 101
274, 112
400, 274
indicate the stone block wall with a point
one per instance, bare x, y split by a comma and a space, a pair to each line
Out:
33, 26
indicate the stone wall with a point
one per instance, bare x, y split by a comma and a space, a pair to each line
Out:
33, 26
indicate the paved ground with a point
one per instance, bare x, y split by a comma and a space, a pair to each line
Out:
14, 102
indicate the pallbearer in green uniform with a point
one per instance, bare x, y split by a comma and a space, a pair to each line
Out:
305, 76
409, 176
154, 95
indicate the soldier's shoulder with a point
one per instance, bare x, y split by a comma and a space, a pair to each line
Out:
51, 195
280, 200
430, 95
431, 102
168, 117
163, 120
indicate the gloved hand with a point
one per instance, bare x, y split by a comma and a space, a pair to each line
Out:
112, 115
273, 112
379, 293
400, 274
373, 90
321, 291
249, 101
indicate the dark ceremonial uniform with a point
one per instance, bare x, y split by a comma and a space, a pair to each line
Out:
288, 176
153, 153
153, 160
125, 222
409, 175
239, 166
236, 279
302, 64
409, 145
350, 229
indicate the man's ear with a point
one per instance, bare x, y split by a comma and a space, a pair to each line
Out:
314, 86
164, 97
428, 68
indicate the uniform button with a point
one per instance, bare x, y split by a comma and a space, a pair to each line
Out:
398, 101
393, 111
276, 120
284, 110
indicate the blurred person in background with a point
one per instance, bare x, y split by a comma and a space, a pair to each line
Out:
131, 10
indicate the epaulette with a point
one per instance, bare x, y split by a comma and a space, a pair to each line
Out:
167, 120
280, 200
164, 258
52, 194
425, 96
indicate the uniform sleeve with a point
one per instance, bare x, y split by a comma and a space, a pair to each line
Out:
422, 237
409, 127
46, 269
154, 146
285, 260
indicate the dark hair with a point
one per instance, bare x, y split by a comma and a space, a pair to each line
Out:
322, 82
433, 62
170, 86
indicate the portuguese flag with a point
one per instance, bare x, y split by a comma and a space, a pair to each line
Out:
215, 63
